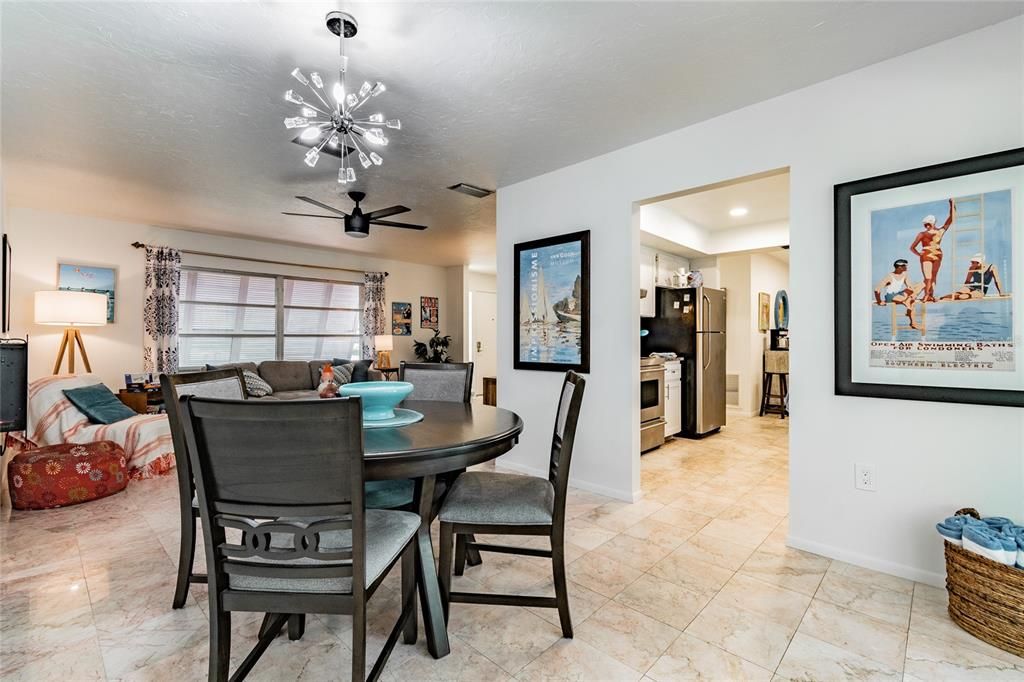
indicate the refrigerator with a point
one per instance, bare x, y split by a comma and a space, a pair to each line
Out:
691, 323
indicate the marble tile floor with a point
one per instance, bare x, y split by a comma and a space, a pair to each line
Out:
692, 583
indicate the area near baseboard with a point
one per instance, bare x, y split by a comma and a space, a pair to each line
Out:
575, 483
864, 561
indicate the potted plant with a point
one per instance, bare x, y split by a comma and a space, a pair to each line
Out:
434, 350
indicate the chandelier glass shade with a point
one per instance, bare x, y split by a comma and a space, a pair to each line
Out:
335, 117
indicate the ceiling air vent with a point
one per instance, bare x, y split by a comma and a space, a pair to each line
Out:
471, 190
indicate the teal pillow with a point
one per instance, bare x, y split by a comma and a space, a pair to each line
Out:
99, 404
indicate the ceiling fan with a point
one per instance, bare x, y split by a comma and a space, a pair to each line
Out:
357, 223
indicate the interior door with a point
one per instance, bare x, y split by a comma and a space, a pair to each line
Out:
483, 351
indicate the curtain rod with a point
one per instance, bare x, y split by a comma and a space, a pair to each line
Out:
140, 245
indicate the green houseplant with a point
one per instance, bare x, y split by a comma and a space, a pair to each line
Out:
434, 350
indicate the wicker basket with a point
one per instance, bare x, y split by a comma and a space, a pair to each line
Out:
986, 598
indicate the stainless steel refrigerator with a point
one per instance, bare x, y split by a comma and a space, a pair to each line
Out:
691, 323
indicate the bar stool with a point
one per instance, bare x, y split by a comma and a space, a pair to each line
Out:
776, 364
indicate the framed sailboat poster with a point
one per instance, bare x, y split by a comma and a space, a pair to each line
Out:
552, 303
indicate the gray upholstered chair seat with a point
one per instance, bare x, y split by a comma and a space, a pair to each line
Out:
484, 497
387, 533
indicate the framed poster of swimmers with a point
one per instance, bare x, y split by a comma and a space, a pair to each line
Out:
927, 262
552, 303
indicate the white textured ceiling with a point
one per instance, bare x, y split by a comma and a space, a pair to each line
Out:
170, 113
766, 200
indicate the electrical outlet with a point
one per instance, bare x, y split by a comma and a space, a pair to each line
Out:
864, 477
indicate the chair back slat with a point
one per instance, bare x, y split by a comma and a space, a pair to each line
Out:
281, 479
570, 402
447, 381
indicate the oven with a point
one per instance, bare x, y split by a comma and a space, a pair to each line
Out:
652, 403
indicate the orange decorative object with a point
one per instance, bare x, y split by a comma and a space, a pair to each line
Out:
327, 387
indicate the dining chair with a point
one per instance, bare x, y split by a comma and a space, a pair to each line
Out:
510, 504
444, 381
448, 381
222, 383
287, 477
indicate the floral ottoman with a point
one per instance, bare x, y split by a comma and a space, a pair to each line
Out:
59, 475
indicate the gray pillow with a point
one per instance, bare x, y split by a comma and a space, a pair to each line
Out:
255, 385
342, 374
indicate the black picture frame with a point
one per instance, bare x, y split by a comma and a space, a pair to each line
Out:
583, 366
5, 283
844, 384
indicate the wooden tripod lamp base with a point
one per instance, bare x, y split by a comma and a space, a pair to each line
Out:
72, 337
71, 309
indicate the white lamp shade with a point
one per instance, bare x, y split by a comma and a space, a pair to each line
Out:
71, 308
383, 342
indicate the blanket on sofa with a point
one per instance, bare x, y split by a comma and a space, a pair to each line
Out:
52, 420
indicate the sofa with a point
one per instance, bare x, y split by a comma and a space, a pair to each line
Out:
290, 379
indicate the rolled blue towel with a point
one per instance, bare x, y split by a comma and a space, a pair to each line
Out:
1017, 533
952, 528
997, 521
989, 542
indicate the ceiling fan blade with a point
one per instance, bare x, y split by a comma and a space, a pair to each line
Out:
385, 212
388, 223
322, 205
314, 215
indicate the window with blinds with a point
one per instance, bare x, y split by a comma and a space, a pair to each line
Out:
247, 317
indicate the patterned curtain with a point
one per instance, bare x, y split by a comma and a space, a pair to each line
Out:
374, 321
160, 316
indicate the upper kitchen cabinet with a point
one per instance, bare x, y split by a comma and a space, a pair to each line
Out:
671, 270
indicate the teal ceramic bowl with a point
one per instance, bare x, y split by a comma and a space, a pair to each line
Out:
379, 397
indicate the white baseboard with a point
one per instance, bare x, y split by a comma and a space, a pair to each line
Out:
870, 562
574, 482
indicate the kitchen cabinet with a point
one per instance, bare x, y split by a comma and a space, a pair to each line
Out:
668, 266
648, 281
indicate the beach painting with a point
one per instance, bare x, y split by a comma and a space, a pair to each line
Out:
552, 303
401, 319
91, 279
943, 280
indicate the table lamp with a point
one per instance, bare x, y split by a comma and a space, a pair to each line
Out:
384, 343
71, 309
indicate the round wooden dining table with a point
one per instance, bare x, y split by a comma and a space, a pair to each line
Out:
451, 437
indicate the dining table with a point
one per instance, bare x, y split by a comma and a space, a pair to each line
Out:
451, 437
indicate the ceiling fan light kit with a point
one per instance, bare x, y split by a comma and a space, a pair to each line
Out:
332, 120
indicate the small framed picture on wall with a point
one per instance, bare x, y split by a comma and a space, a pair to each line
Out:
401, 319
428, 312
91, 279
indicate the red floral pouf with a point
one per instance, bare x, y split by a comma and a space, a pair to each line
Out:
59, 475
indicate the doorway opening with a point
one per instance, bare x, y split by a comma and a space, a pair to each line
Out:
482, 350
714, 280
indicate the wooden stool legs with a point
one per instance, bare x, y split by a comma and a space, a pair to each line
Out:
767, 405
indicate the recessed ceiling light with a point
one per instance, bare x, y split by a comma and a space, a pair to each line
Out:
738, 212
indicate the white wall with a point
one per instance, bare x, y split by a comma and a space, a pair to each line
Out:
734, 277
955, 99
40, 239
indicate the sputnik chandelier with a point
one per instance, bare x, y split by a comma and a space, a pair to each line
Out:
336, 125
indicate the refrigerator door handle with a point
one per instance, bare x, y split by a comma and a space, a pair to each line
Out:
707, 356
705, 312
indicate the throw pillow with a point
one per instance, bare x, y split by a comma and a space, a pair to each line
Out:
98, 404
360, 368
342, 374
255, 385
